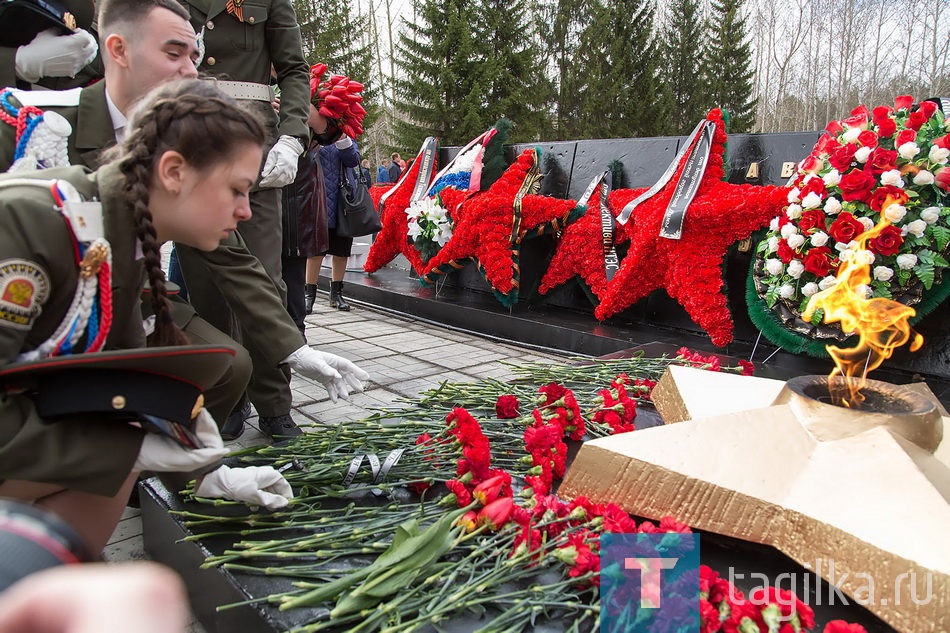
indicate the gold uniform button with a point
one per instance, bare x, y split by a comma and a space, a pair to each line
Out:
118, 402
251, 19
210, 25
212, 61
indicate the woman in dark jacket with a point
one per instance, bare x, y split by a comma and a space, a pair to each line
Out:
334, 158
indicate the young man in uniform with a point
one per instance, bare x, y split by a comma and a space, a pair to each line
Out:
242, 43
145, 43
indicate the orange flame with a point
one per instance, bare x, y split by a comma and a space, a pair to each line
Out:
882, 324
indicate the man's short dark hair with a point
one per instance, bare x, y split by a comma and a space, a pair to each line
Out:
115, 12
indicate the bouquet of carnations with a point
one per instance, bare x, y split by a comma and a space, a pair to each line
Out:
429, 226
339, 99
888, 165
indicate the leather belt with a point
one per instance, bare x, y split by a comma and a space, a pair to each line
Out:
245, 90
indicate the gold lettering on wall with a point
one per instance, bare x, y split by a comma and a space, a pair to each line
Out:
753, 172
788, 170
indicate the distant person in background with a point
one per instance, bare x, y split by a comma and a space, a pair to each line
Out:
364, 169
397, 158
382, 172
395, 169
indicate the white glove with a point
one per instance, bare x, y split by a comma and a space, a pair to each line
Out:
338, 375
254, 485
161, 454
52, 55
344, 142
280, 168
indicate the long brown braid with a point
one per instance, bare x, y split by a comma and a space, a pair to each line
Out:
206, 127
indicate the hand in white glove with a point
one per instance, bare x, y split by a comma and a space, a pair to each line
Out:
339, 376
254, 485
52, 55
280, 168
161, 454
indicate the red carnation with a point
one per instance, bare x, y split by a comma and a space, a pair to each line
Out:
903, 102
856, 185
845, 228
506, 407
812, 219
840, 626
785, 252
882, 160
906, 136
841, 157
818, 261
888, 241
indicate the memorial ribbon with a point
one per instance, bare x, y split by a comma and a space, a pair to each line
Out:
379, 471
627, 211
602, 185
426, 161
672, 226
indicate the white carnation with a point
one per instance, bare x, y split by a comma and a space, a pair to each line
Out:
811, 201
883, 273
793, 195
832, 178
827, 282
924, 177
793, 212
795, 241
851, 135
774, 267
892, 177
939, 155
819, 238
809, 289
789, 230
832, 206
908, 150
916, 228
930, 214
906, 261
868, 223
796, 268
895, 213
786, 291
862, 154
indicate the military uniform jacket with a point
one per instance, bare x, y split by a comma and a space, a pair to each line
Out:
237, 273
89, 455
244, 51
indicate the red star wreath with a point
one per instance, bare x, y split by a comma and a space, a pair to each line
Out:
391, 240
579, 253
690, 269
490, 225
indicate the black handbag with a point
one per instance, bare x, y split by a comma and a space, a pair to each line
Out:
356, 215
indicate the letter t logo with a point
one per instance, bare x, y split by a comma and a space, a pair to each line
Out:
650, 578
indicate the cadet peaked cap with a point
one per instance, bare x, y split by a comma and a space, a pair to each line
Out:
21, 20
162, 382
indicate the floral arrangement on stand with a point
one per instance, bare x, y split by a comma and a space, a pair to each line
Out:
476, 533
491, 224
887, 165
690, 269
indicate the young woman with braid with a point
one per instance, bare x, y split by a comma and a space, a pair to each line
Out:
182, 173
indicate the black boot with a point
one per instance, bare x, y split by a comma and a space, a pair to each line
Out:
309, 296
336, 296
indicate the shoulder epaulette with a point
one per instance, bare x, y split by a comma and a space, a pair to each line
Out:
48, 98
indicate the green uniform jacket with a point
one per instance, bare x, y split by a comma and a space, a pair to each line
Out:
237, 273
89, 455
245, 51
